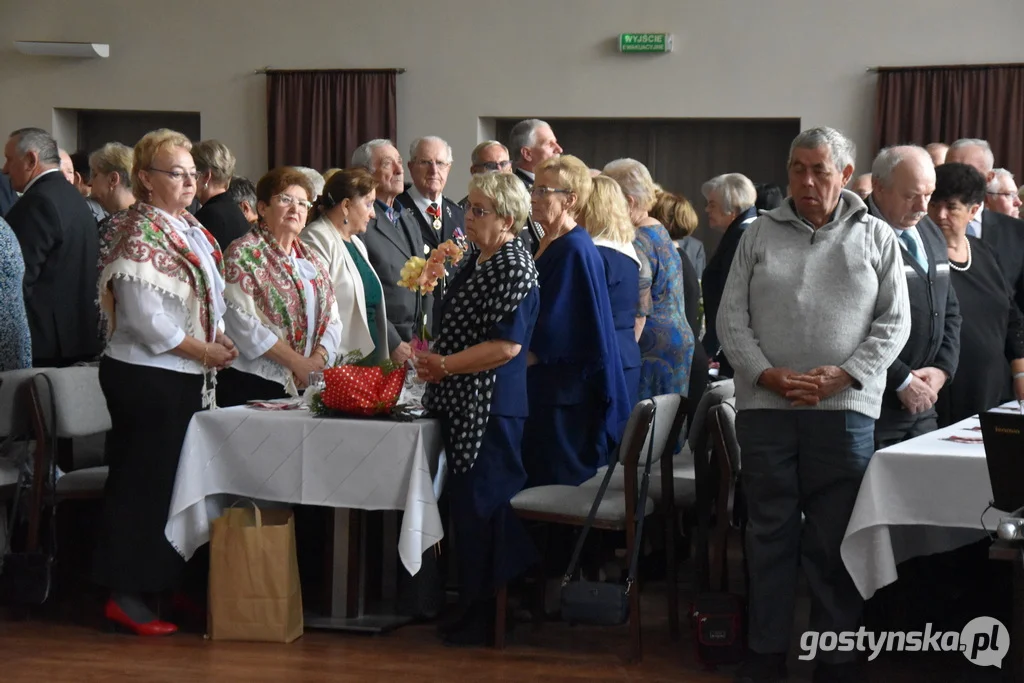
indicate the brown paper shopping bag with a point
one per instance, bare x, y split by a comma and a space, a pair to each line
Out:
254, 591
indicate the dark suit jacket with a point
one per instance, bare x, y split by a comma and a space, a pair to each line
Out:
716, 273
1005, 235
7, 195
60, 243
935, 319
222, 217
389, 245
532, 233
452, 218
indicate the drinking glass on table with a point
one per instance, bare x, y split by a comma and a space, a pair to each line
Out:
316, 380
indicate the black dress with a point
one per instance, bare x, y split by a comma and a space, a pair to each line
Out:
992, 334
223, 219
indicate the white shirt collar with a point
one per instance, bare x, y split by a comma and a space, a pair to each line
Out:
33, 181
422, 203
528, 174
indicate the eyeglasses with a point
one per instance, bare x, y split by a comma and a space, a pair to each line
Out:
1002, 194
428, 163
177, 175
542, 190
286, 200
495, 165
478, 212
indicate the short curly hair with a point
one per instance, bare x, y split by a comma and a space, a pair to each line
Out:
279, 179
958, 182
147, 148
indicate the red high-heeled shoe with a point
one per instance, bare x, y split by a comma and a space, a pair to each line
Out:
114, 613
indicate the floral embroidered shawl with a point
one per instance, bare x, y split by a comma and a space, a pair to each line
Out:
142, 245
262, 283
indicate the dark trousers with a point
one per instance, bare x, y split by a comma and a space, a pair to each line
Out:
236, 388
810, 462
896, 426
150, 409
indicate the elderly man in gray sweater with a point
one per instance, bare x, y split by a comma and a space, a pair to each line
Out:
814, 312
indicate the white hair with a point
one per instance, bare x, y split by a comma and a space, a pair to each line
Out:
635, 181
841, 148
993, 185
734, 189
363, 156
990, 158
39, 141
414, 148
889, 158
315, 179
524, 134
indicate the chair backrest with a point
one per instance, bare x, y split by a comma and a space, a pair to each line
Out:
637, 432
78, 401
725, 419
713, 396
15, 416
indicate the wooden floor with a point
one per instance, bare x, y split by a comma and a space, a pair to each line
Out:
66, 648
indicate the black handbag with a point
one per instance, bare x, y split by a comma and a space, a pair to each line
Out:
597, 602
26, 578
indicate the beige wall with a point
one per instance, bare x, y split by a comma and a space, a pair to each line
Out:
466, 60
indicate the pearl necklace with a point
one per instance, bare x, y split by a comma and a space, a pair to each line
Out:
969, 260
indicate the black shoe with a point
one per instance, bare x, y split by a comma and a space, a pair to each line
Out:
762, 668
847, 672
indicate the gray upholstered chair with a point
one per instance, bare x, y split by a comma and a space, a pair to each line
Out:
15, 441
67, 405
571, 504
729, 502
706, 477
672, 487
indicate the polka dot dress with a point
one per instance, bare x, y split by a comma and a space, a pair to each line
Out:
494, 290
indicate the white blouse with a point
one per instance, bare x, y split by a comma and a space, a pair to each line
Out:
254, 339
151, 323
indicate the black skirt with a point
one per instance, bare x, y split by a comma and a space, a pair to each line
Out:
236, 388
150, 409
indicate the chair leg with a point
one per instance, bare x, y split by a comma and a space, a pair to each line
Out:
671, 571
499, 617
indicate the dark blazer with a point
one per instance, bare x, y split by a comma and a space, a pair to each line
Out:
222, 217
389, 245
532, 233
691, 301
715, 275
1005, 235
7, 195
934, 313
452, 218
60, 243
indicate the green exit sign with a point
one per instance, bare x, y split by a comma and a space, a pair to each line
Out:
645, 42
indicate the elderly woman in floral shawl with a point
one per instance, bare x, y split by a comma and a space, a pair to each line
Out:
478, 371
161, 288
281, 307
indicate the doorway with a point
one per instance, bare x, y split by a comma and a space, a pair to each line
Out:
682, 154
98, 127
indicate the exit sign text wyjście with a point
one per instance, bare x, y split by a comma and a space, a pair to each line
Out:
645, 42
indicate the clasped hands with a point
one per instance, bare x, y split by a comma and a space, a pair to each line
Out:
220, 353
923, 391
806, 389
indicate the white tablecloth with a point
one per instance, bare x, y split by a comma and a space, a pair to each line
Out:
293, 457
920, 497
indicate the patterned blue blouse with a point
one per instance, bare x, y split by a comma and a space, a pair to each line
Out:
15, 340
666, 344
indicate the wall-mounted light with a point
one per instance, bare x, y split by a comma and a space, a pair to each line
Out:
58, 49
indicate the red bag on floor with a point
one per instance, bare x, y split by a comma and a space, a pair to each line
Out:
360, 390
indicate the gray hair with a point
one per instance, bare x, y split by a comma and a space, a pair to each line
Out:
415, 146
474, 157
841, 148
242, 190
363, 156
524, 134
507, 193
635, 181
315, 179
39, 141
889, 158
734, 189
993, 185
114, 157
214, 156
990, 158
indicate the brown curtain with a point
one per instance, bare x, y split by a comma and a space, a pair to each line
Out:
941, 104
317, 118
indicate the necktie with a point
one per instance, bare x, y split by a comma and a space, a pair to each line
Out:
913, 249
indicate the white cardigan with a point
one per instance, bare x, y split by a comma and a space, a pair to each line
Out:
323, 237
